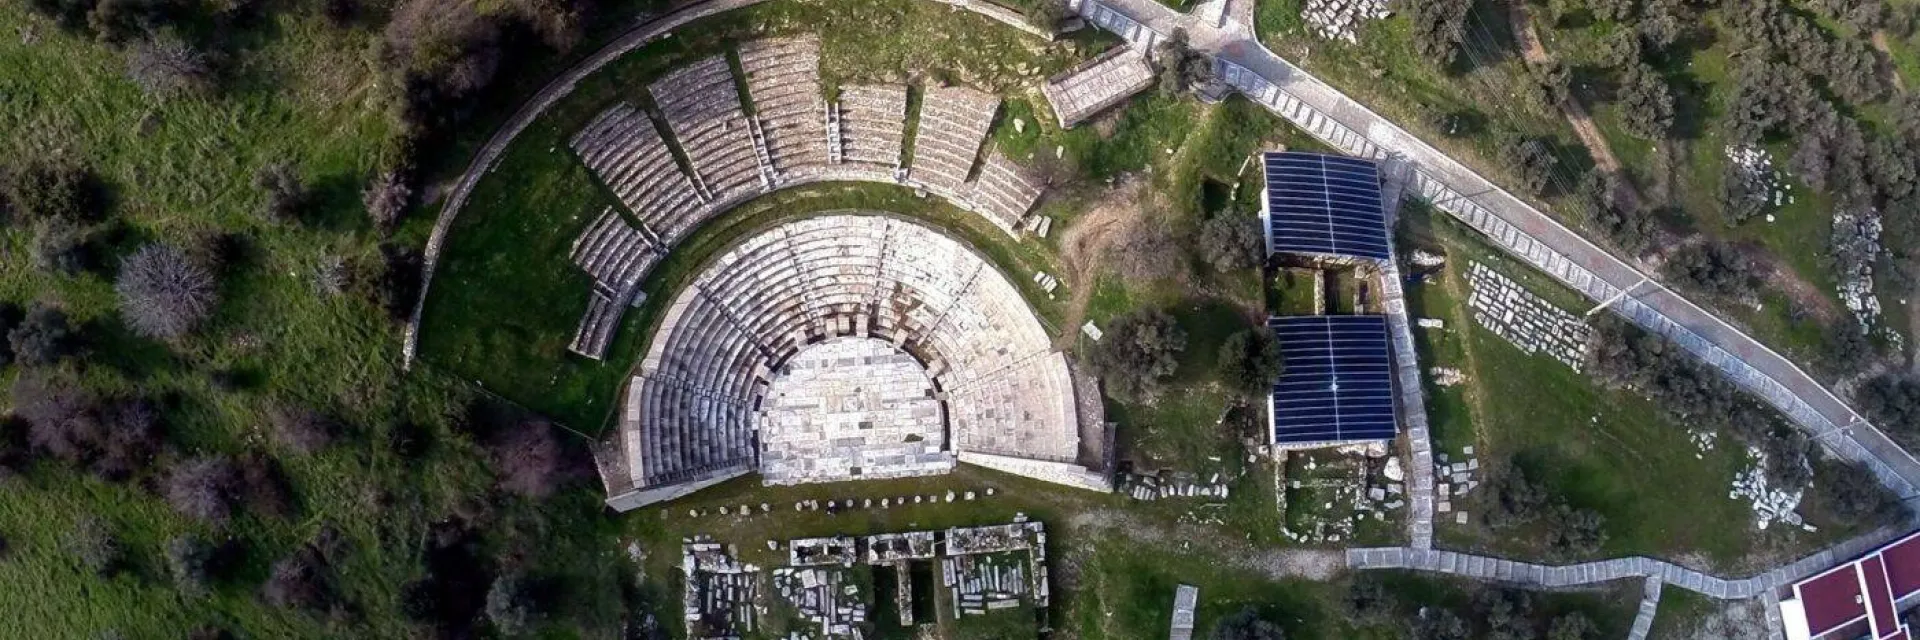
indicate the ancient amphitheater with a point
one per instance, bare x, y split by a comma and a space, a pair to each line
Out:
848, 346
838, 347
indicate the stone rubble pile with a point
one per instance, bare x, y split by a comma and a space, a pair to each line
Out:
1769, 504
823, 597
1179, 484
1340, 19
1529, 322
1446, 376
1456, 479
1703, 441
1856, 246
1365, 483
1762, 181
718, 600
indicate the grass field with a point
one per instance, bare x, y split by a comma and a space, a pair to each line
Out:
1608, 450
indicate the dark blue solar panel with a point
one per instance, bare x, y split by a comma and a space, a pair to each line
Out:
1338, 382
1325, 204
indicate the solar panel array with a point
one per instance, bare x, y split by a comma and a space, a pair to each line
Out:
1325, 204
1338, 380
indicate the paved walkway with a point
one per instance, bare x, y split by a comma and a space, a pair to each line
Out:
1520, 228
1573, 575
1649, 605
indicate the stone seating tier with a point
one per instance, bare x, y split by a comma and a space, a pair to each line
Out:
783, 80
702, 107
953, 124
873, 120
614, 253
1003, 192
636, 165
1009, 413
597, 326
812, 280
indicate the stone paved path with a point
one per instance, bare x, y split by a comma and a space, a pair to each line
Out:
1571, 575
1517, 226
1649, 605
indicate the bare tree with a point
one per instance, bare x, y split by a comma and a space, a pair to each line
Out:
204, 488
299, 581
163, 293
387, 197
96, 546
167, 67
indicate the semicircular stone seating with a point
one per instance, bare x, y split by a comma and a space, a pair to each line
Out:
804, 351
698, 152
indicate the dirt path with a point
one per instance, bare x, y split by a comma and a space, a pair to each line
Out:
1085, 244
1536, 53
1886, 48
1277, 564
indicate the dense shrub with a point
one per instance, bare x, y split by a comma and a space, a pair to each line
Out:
1646, 102
1852, 492
1573, 626
1181, 68
1517, 498
1250, 361
399, 282
95, 547
300, 581
1717, 268
1246, 624
286, 196
1532, 161
1439, 27
61, 246
163, 293
1506, 613
528, 460
1048, 14
1552, 83
1368, 601
1436, 623
119, 21
1138, 353
440, 54
1231, 242
167, 67
205, 488
15, 453
1893, 400
1575, 530
452, 595
511, 606
43, 337
113, 440
44, 189
190, 560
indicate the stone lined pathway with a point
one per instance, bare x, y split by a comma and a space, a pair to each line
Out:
1649, 605
1572, 575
